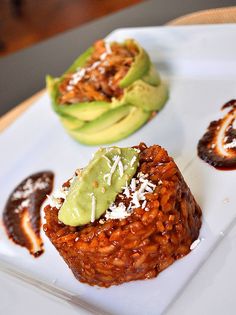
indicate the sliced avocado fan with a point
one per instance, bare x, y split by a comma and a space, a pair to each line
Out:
71, 123
103, 122
113, 126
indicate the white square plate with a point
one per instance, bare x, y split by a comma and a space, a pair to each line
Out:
199, 63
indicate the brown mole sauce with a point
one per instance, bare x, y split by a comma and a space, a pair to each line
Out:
217, 147
21, 216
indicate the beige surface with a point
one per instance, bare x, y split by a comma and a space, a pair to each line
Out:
214, 16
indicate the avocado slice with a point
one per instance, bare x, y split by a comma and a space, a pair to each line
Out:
71, 123
52, 84
85, 111
92, 193
144, 95
121, 127
139, 67
105, 121
152, 77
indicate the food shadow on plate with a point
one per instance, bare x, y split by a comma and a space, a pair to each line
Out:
195, 176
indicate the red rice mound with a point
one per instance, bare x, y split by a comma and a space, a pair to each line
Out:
141, 245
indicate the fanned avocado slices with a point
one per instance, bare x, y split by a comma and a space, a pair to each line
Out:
71, 123
126, 120
101, 122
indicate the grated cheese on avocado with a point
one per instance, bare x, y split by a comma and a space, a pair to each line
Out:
121, 168
116, 160
133, 160
93, 208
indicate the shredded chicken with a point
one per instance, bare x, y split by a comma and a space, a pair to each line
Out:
99, 79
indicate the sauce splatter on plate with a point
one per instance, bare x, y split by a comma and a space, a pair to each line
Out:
217, 147
21, 215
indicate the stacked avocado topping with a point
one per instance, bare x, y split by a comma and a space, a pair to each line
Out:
91, 193
105, 121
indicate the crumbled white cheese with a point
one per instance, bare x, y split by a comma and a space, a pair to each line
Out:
69, 88
106, 177
94, 65
143, 186
54, 202
141, 175
195, 244
77, 76
58, 197
60, 193
134, 158
148, 189
121, 168
126, 190
117, 212
144, 204
116, 160
103, 56
137, 197
101, 70
25, 203
144, 180
133, 184
108, 48
30, 187
93, 208
108, 160
230, 145
18, 195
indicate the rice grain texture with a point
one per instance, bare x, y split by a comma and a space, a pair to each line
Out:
141, 245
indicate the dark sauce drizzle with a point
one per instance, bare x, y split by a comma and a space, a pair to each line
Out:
217, 147
21, 215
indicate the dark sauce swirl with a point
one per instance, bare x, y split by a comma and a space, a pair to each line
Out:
217, 147
21, 215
